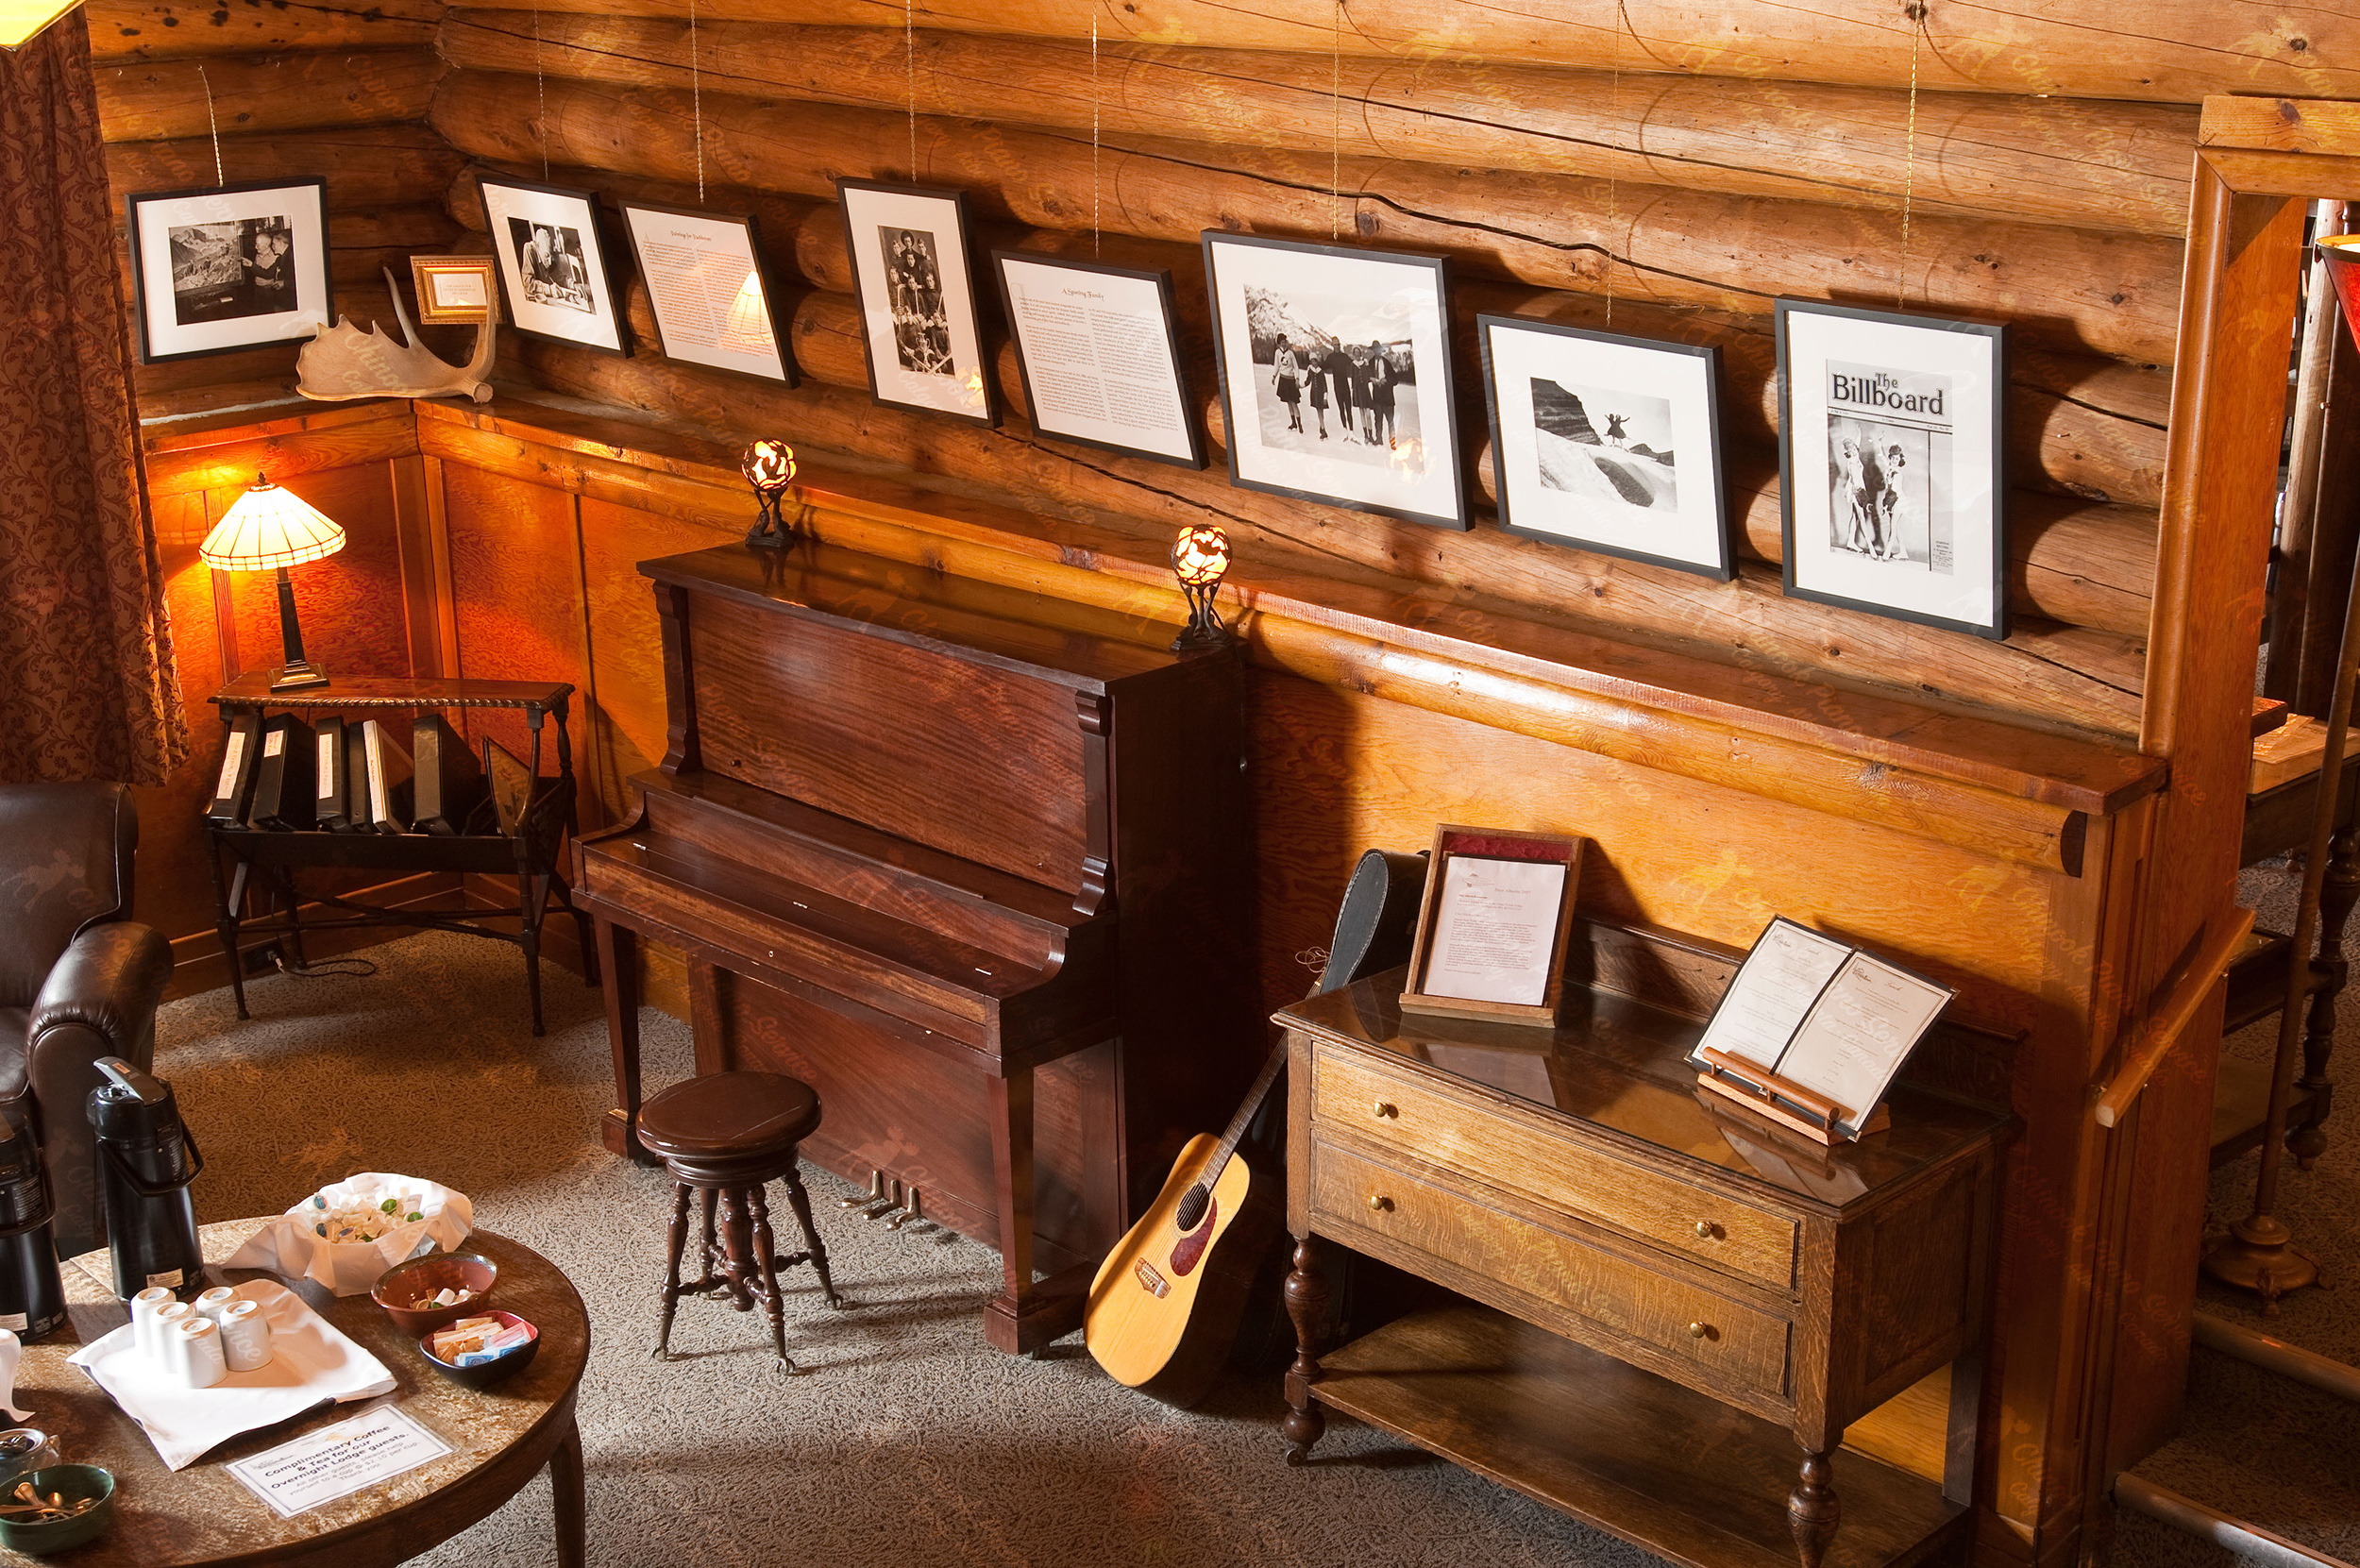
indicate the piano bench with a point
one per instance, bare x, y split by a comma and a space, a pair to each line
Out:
728, 1136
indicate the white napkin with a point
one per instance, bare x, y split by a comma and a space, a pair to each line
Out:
11, 1348
288, 1247
312, 1364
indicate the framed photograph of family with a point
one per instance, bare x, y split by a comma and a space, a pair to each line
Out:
917, 292
556, 275
1892, 463
232, 268
1610, 444
710, 288
1099, 350
1334, 375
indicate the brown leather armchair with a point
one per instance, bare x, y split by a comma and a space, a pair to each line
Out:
79, 979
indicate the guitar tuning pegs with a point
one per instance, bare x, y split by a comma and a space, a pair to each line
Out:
876, 1192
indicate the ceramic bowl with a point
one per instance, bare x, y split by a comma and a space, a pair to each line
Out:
419, 1278
69, 1481
489, 1373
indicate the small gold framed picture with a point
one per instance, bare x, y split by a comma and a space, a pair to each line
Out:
453, 288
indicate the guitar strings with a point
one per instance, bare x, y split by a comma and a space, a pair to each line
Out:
219, 178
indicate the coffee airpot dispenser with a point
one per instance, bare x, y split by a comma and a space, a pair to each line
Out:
147, 1160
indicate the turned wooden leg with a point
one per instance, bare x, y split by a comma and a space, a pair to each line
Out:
767, 1273
737, 1248
1813, 1511
801, 1200
671, 1267
710, 1279
1306, 1308
618, 950
2337, 895
569, 1502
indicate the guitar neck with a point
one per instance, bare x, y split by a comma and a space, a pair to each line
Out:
1245, 1118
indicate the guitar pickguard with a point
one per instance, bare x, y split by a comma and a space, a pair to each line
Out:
1190, 1250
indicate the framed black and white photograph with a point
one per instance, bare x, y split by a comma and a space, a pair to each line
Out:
711, 288
1099, 348
1891, 464
235, 266
916, 288
555, 274
1611, 444
1334, 375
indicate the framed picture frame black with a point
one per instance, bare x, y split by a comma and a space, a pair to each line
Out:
710, 287
1361, 414
1098, 349
1893, 464
223, 268
915, 279
557, 271
1608, 442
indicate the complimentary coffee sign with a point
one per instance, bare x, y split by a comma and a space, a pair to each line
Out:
338, 1461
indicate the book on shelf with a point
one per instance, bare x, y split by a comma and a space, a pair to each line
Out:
449, 781
284, 795
510, 783
234, 784
331, 804
386, 771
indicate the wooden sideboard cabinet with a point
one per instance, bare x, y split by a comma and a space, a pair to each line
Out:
1661, 1288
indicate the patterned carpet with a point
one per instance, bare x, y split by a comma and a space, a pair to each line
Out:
909, 1442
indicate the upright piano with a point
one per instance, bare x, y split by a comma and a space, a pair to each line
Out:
971, 862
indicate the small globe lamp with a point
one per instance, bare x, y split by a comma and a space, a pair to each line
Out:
769, 467
268, 528
1200, 559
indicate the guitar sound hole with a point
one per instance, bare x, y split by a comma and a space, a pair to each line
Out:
1192, 1203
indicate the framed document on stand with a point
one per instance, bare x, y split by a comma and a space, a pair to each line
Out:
1491, 931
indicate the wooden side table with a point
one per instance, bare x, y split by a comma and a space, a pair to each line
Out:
203, 1517
1662, 1289
241, 855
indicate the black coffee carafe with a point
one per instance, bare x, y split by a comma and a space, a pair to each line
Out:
32, 1296
146, 1162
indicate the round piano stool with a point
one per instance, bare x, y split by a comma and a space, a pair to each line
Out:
727, 1136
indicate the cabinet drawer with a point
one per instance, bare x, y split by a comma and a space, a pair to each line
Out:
1516, 1155
1730, 1344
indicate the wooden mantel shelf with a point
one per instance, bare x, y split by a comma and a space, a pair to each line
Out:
2012, 791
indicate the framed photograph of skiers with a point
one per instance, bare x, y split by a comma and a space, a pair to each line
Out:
1334, 375
556, 274
1892, 463
917, 291
235, 266
1606, 443
1099, 350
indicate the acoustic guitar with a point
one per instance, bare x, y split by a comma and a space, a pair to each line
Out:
1164, 1308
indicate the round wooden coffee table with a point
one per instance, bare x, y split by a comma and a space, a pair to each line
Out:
499, 1438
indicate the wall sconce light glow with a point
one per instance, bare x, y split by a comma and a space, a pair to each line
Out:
22, 20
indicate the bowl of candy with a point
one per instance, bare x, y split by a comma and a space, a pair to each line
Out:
431, 1292
479, 1351
57, 1507
348, 1233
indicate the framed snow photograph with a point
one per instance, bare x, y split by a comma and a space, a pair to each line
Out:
917, 292
235, 266
1891, 464
1334, 375
710, 288
555, 274
1610, 444
1099, 348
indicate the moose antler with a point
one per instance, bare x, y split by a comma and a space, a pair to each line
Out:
344, 362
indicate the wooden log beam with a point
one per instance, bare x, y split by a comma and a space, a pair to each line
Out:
367, 166
2086, 681
140, 102
139, 30
309, 440
777, 219
2081, 163
2068, 289
2080, 565
2173, 51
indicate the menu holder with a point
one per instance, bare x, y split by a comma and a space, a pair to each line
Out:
1811, 1033
1492, 926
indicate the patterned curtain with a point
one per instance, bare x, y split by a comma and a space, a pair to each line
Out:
87, 685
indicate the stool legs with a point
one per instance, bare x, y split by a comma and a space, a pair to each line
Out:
765, 1281
740, 1257
671, 1267
801, 1202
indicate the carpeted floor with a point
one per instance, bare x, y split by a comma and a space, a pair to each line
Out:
907, 1442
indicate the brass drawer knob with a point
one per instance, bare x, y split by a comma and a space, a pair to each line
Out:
1379, 1203
1704, 1229
1384, 1111
1697, 1330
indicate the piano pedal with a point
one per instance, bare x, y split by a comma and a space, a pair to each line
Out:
909, 1215
876, 1192
893, 1206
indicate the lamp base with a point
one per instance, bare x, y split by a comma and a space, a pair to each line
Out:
300, 678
